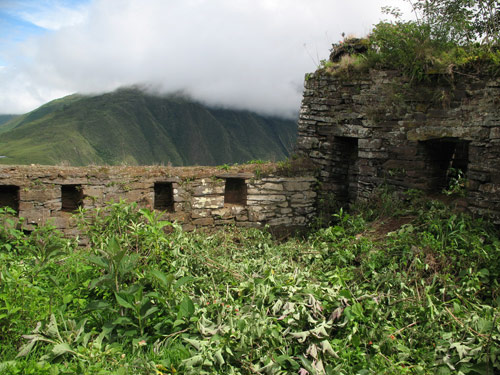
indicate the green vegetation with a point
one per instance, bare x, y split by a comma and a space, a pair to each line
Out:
448, 37
4, 119
132, 127
402, 286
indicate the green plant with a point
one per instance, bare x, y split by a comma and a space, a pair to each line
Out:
257, 161
442, 40
456, 182
224, 167
462, 21
407, 46
12, 238
371, 293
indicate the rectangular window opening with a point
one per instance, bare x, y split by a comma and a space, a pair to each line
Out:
71, 197
345, 168
164, 196
235, 191
446, 160
9, 196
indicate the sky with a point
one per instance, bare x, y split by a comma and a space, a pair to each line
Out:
242, 54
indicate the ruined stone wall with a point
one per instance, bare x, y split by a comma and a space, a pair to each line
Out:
250, 196
364, 130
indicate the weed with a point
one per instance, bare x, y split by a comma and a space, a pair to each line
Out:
224, 167
145, 297
457, 183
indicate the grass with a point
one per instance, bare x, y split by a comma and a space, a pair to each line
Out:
410, 290
413, 50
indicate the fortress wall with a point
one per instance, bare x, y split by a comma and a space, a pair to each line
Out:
366, 130
250, 196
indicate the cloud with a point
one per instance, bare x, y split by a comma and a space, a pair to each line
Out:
247, 54
47, 14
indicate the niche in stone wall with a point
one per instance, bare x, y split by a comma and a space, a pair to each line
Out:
71, 197
345, 168
9, 196
235, 191
445, 159
164, 196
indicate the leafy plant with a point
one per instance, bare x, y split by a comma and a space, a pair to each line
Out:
224, 167
457, 182
447, 36
410, 290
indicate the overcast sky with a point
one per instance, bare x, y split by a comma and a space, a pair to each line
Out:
246, 54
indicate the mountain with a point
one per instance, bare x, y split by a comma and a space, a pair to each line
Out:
6, 118
129, 126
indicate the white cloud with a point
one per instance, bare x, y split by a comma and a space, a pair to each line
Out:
49, 14
249, 54
18, 94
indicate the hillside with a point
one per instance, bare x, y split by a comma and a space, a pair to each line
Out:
133, 127
4, 119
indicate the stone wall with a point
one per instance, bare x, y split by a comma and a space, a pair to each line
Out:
250, 196
375, 128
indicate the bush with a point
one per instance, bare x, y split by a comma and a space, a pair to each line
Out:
423, 298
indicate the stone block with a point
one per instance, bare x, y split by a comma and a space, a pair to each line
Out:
256, 216
272, 186
299, 220
224, 213
490, 188
199, 213
60, 222
241, 217
208, 202
208, 190
188, 227
35, 216
26, 206
53, 205
183, 206
93, 190
370, 143
255, 199
495, 133
280, 221
224, 222
373, 154
203, 222
136, 195
317, 155
246, 224
308, 142
40, 194
478, 176
177, 216
297, 185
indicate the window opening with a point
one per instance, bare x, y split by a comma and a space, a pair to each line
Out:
345, 168
235, 191
9, 196
71, 197
164, 196
446, 161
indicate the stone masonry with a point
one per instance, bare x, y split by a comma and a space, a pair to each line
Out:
364, 130
248, 196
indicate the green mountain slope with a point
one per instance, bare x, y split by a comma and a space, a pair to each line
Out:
5, 119
132, 127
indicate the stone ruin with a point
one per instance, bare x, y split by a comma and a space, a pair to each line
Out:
204, 197
359, 131
373, 129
